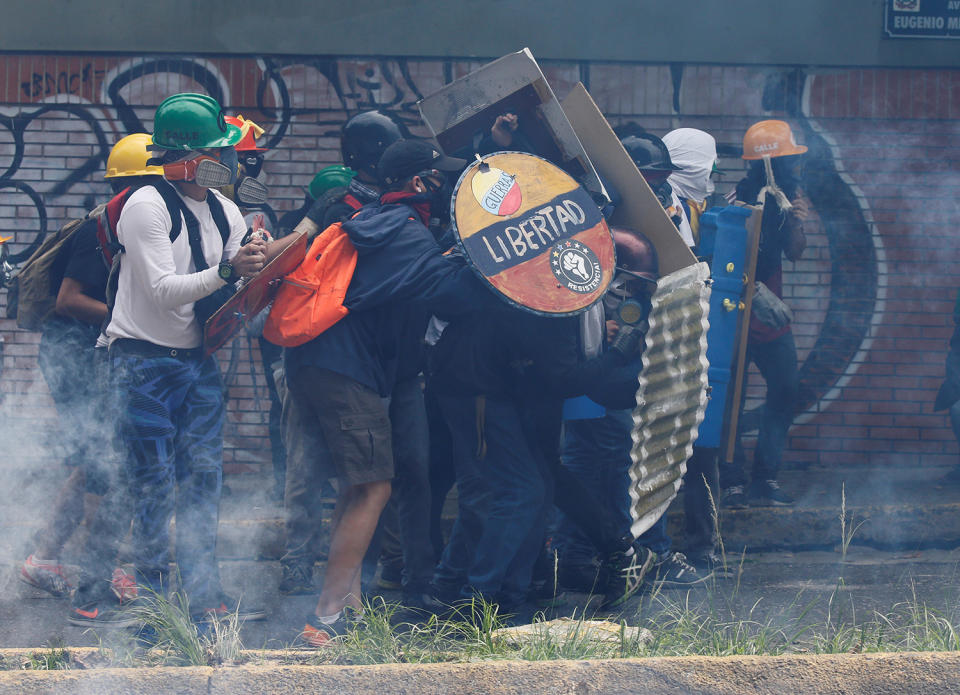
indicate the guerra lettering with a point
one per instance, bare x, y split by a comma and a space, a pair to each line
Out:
511, 242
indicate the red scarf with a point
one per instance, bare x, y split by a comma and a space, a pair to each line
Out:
421, 206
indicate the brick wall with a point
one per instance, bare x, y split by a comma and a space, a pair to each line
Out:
872, 295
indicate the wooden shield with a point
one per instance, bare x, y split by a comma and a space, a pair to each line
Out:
528, 229
252, 298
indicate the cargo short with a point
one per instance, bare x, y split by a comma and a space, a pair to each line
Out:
353, 420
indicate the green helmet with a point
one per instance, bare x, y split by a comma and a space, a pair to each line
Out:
191, 122
330, 177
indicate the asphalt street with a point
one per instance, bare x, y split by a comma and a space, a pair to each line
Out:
775, 584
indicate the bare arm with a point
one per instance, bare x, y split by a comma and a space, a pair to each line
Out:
275, 247
73, 303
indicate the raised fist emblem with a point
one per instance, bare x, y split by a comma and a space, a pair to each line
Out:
576, 264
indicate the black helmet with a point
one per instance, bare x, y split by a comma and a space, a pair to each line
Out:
648, 152
365, 137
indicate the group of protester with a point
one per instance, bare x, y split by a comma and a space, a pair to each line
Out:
427, 380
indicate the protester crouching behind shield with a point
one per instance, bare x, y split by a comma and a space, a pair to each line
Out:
72, 368
500, 376
171, 396
772, 180
596, 450
342, 378
692, 156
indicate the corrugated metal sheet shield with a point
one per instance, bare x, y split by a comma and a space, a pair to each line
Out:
672, 396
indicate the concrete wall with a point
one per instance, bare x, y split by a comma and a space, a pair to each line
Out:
764, 32
872, 297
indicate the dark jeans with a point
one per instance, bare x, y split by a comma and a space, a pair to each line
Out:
442, 473
111, 521
171, 422
411, 488
777, 362
269, 355
597, 453
66, 360
701, 494
955, 419
502, 494
308, 470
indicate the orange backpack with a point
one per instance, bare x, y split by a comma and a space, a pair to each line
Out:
310, 299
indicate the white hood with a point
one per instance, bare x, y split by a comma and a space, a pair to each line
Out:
695, 152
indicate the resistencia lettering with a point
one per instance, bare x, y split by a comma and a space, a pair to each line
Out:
538, 230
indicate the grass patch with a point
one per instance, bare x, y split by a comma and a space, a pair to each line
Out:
53, 659
170, 637
710, 622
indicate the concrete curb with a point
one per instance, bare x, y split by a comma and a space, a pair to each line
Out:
851, 674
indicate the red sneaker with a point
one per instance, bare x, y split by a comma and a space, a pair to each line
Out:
50, 578
124, 585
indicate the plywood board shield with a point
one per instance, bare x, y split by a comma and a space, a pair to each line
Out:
461, 114
252, 298
639, 208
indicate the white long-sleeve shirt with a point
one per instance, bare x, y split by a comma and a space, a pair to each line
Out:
158, 282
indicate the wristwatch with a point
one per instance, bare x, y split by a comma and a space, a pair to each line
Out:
226, 272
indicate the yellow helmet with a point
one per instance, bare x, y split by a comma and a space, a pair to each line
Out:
129, 157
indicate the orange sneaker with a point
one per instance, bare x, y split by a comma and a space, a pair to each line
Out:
319, 634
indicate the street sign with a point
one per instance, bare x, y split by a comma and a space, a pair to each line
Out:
922, 19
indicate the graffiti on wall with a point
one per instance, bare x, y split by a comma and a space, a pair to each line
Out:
82, 106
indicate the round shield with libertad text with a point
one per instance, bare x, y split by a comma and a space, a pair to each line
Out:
533, 233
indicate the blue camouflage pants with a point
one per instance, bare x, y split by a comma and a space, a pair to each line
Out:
171, 422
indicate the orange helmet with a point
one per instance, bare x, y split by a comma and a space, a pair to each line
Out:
770, 138
251, 131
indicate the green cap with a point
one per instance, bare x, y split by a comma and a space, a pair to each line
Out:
192, 121
330, 177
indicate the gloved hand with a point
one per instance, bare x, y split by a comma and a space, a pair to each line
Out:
628, 342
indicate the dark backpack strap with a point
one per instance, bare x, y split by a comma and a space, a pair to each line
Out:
219, 217
174, 207
193, 238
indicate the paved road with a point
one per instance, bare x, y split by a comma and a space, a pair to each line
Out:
871, 580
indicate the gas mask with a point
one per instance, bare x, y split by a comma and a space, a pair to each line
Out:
204, 169
248, 192
623, 307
